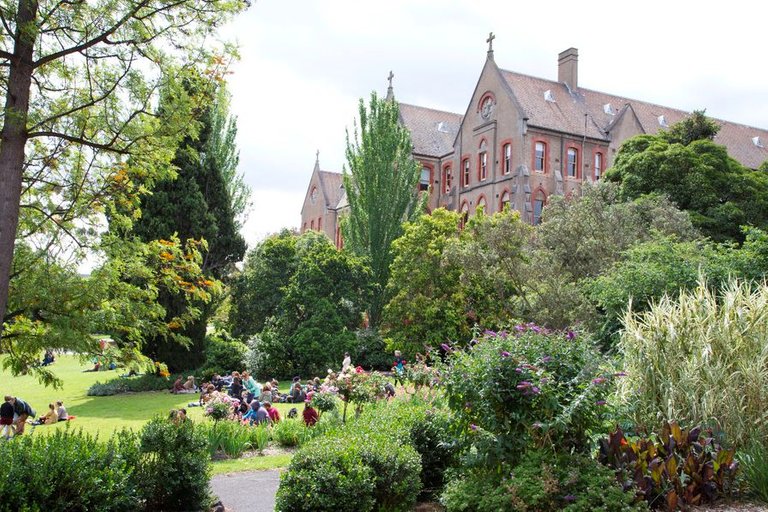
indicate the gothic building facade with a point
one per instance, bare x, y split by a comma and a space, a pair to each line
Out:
521, 140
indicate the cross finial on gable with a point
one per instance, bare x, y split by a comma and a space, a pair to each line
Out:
390, 91
490, 39
317, 160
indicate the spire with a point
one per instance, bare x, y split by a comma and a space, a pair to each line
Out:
390, 92
490, 39
317, 160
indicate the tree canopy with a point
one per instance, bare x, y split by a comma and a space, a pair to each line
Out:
697, 175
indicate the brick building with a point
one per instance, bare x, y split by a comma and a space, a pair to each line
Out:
521, 140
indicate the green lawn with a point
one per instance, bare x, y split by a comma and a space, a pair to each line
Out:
104, 415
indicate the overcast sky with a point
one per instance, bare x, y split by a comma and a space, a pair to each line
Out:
306, 63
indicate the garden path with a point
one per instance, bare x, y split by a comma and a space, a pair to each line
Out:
247, 491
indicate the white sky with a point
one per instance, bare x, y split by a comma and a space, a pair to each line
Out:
305, 64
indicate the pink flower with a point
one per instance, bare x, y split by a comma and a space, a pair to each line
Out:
598, 380
600, 402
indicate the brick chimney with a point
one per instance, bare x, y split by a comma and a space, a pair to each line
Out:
568, 67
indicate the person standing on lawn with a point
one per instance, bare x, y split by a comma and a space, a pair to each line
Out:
6, 418
22, 410
398, 368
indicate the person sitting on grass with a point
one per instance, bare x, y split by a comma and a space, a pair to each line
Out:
297, 394
48, 418
266, 393
252, 413
178, 386
236, 389
189, 386
253, 387
61, 411
274, 414
48, 358
6, 418
310, 414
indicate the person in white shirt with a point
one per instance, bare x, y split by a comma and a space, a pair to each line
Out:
346, 363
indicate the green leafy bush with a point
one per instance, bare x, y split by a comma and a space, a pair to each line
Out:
532, 388
360, 471
371, 351
431, 436
754, 467
175, 466
290, 432
229, 437
259, 437
69, 471
222, 356
136, 384
543, 481
674, 468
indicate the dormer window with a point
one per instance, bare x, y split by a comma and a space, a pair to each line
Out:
663, 121
548, 96
609, 110
757, 142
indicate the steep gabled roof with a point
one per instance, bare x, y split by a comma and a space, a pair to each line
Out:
566, 114
331, 183
432, 131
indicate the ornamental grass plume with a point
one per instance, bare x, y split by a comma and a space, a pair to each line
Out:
701, 359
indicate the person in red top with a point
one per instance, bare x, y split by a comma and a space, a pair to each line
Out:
274, 414
310, 415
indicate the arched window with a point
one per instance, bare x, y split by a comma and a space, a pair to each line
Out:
464, 211
539, 200
506, 154
312, 224
572, 163
505, 202
481, 205
447, 179
540, 156
426, 178
482, 162
598, 166
313, 195
319, 223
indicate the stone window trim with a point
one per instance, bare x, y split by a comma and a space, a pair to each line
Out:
505, 194
463, 214
481, 202
505, 161
573, 173
486, 94
482, 161
534, 161
447, 178
431, 168
598, 172
538, 194
465, 171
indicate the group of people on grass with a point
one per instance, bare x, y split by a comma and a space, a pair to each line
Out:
15, 412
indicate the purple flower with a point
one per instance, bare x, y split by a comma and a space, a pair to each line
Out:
519, 370
600, 402
570, 335
598, 380
473, 427
505, 354
544, 380
536, 329
519, 327
489, 332
537, 425
468, 405
446, 347
535, 390
546, 359
503, 335
570, 498
523, 385
620, 374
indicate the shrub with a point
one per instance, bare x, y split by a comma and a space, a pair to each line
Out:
754, 467
222, 356
69, 470
676, 468
533, 388
325, 401
701, 360
136, 384
371, 351
360, 471
431, 437
543, 481
175, 470
259, 437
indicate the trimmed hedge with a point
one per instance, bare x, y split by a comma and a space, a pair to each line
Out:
132, 385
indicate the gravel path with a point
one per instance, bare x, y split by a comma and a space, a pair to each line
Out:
249, 491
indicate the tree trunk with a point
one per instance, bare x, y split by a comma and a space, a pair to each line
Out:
13, 139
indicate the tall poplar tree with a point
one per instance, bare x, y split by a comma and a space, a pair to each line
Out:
381, 183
